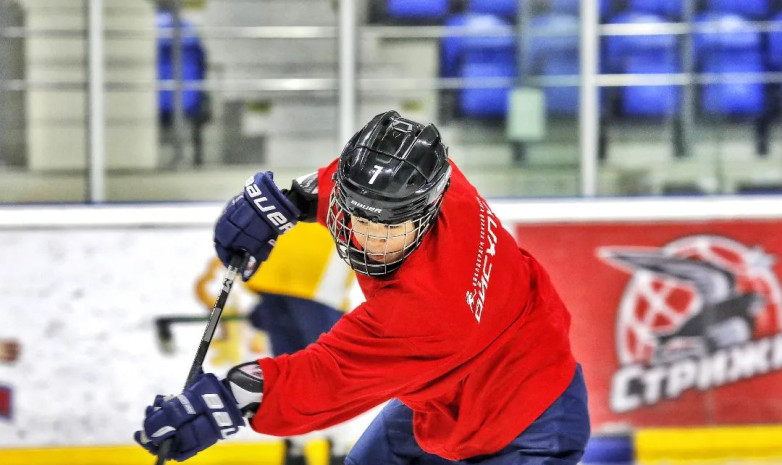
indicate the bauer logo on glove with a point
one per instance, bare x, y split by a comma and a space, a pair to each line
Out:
267, 207
252, 221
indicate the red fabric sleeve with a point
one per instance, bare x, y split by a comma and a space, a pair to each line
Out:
379, 351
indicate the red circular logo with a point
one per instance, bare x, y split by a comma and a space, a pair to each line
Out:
685, 283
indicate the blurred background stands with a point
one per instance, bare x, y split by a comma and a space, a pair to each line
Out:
201, 92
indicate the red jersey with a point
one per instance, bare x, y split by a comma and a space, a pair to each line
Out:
469, 333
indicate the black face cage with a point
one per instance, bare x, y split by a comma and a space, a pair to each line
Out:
339, 223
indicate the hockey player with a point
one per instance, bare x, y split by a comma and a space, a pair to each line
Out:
462, 330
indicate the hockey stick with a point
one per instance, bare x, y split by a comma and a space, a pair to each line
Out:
163, 324
237, 262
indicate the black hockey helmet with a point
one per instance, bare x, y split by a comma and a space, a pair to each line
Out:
392, 171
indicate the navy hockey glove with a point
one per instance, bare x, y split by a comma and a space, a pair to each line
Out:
252, 221
205, 413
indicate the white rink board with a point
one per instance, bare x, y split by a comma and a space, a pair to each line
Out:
81, 303
81, 287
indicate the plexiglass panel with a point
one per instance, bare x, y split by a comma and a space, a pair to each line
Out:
43, 101
688, 92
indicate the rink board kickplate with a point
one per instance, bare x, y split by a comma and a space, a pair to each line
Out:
261, 453
716, 445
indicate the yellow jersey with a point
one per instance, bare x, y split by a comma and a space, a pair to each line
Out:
304, 263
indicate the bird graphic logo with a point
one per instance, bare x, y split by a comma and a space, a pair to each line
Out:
692, 307
692, 297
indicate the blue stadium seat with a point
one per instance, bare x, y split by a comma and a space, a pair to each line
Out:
490, 101
417, 9
775, 45
549, 35
728, 32
573, 7
738, 98
667, 8
553, 51
757, 9
735, 48
193, 66
619, 48
644, 54
454, 50
561, 100
506, 8
651, 100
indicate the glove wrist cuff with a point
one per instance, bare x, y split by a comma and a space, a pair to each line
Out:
245, 383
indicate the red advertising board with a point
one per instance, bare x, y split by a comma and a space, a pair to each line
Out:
675, 323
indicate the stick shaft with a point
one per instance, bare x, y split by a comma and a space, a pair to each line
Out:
214, 318
176, 319
237, 261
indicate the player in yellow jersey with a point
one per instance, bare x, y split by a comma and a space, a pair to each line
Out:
304, 288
